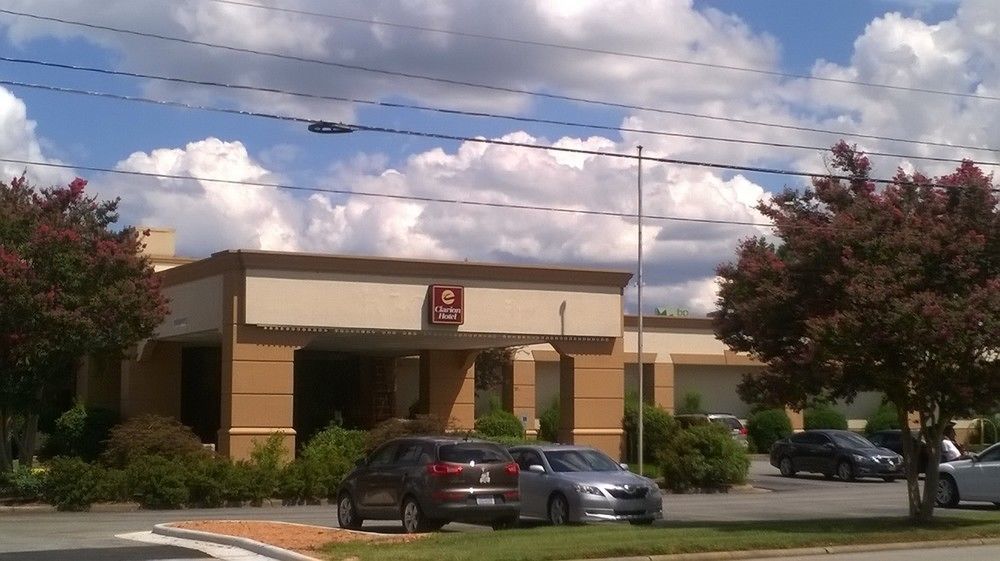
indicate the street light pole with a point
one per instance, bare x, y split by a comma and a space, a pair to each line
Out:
639, 307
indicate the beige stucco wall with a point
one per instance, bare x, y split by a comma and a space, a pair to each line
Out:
546, 385
195, 307
663, 343
294, 298
716, 384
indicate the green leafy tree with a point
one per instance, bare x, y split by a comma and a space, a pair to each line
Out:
892, 288
72, 286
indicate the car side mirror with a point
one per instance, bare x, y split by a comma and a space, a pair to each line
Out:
828, 445
360, 462
535, 468
974, 457
624, 466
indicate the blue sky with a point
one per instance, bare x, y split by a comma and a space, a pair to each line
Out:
938, 45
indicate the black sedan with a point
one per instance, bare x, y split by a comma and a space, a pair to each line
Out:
835, 452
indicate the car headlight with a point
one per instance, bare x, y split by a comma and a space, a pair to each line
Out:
587, 489
862, 459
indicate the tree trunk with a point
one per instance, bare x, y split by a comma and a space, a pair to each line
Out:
931, 478
5, 451
28, 441
911, 458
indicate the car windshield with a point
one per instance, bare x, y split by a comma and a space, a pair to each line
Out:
580, 460
850, 440
468, 452
731, 422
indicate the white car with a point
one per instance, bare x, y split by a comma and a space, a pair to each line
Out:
974, 479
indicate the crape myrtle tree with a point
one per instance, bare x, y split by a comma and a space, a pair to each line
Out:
70, 286
893, 288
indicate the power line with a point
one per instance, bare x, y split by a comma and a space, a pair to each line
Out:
593, 50
481, 140
361, 68
261, 89
414, 198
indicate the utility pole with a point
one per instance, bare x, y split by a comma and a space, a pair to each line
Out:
639, 307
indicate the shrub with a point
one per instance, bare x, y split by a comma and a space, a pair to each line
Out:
205, 477
73, 484
883, 418
548, 423
767, 426
267, 458
150, 435
395, 428
657, 428
80, 431
23, 482
157, 482
499, 424
823, 416
690, 404
326, 459
703, 457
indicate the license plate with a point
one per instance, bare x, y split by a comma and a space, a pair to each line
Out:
485, 500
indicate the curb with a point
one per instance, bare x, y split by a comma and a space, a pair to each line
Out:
46, 508
254, 546
822, 550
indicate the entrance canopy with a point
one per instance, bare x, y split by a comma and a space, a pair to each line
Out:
389, 306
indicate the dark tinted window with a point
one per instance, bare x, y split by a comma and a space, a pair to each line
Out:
580, 460
801, 438
851, 440
468, 452
732, 422
991, 455
384, 455
527, 458
413, 453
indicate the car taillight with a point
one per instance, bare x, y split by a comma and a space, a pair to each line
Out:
511, 496
444, 468
512, 468
743, 431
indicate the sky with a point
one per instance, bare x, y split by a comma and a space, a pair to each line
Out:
794, 47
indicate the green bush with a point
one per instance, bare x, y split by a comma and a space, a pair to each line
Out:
703, 457
766, 427
205, 477
322, 464
23, 483
267, 458
883, 418
73, 484
690, 404
499, 424
81, 431
396, 428
823, 416
150, 435
548, 423
157, 482
658, 426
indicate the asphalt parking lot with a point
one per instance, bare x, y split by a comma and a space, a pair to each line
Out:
777, 498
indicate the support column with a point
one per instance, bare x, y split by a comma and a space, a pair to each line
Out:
151, 383
592, 394
795, 417
659, 385
258, 386
519, 393
448, 387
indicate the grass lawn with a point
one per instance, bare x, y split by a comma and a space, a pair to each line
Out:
610, 540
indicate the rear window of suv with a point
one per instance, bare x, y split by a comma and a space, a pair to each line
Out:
732, 422
468, 452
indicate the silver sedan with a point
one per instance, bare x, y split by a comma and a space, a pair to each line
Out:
578, 484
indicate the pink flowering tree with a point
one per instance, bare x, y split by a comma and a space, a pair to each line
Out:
893, 288
70, 285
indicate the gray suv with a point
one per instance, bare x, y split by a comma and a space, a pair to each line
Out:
429, 481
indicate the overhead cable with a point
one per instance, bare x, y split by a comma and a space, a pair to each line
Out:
505, 89
594, 50
394, 105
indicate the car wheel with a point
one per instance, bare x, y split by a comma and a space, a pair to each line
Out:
504, 523
413, 517
845, 471
889, 479
785, 467
947, 492
347, 513
558, 510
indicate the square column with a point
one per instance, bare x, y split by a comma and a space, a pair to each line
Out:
795, 417
592, 394
658, 386
448, 387
519, 393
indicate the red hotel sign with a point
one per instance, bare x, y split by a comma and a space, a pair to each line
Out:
447, 304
